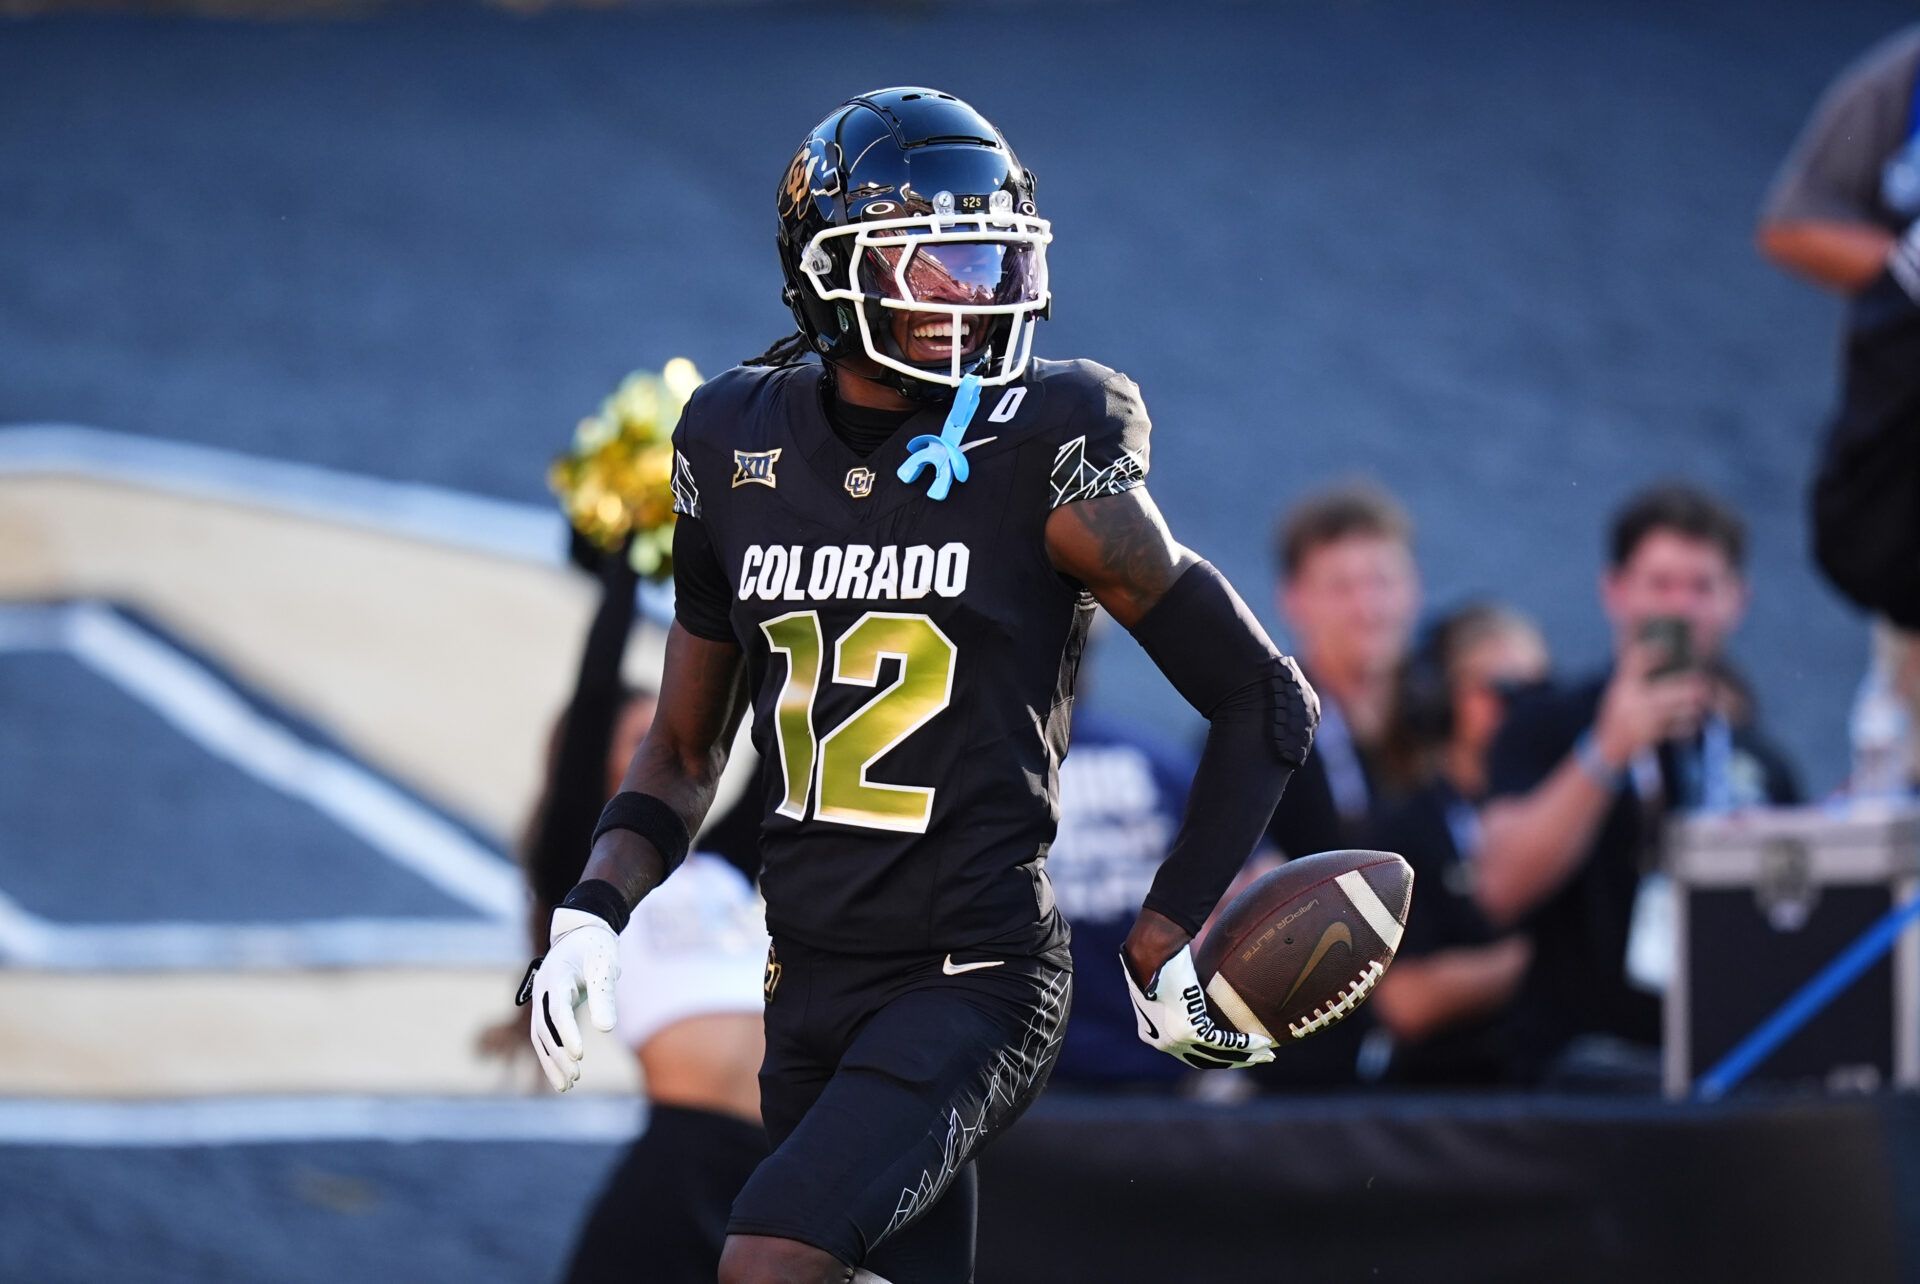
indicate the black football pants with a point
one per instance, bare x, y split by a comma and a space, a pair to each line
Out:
884, 1077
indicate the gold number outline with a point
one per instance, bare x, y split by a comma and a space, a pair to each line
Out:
796, 705
794, 730
851, 813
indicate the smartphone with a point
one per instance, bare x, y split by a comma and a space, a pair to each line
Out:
1669, 635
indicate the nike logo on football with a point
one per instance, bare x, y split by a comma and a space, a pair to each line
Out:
966, 446
955, 969
1336, 934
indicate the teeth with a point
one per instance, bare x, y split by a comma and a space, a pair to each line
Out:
942, 330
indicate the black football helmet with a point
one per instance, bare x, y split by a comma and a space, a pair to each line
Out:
908, 200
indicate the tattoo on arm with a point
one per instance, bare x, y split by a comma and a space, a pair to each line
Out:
1120, 548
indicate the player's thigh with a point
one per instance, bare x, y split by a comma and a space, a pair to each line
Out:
790, 1084
930, 1077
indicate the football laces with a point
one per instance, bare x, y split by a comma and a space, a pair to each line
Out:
1345, 1002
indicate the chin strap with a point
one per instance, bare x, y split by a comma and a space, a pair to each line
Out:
943, 453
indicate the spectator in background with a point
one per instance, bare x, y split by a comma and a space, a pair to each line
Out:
1851, 184
1122, 792
1350, 595
1445, 999
1847, 192
1866, 515
1581, 775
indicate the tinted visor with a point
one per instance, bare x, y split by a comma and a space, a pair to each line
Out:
973, 273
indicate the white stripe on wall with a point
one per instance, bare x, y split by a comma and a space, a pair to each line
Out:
206, 710
411, 510
198, 703
228, 1121
28, 940
501, 527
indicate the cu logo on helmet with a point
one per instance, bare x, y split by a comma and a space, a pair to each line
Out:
809, 174
799, 179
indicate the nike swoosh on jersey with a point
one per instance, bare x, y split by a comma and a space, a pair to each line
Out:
955, 969
965, 446
1336, 934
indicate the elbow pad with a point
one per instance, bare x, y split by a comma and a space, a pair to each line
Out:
1221, 661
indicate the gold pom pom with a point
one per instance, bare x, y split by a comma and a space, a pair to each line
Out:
615, 484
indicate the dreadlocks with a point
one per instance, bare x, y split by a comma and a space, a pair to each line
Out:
789, 351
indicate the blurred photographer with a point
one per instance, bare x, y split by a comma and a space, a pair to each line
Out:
1349, 590
1582, 775
1445, 999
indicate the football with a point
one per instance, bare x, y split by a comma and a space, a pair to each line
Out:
1305, 944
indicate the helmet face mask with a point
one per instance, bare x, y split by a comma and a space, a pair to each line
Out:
911, 244
984, 276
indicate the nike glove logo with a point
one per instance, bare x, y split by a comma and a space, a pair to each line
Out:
955, 969
1153, 1031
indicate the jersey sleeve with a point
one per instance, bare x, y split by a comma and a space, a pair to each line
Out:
701, 599
1833, 171
1108, 452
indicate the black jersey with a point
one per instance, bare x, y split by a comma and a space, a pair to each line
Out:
911, 661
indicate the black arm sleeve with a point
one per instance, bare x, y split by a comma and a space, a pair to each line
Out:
1260, 713
701, 597
563, 831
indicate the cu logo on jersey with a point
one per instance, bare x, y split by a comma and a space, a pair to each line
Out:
860, 482
770, 979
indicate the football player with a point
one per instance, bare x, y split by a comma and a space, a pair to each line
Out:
892, 554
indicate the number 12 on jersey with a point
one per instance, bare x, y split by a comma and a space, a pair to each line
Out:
831, 770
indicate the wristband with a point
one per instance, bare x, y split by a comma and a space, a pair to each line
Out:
1586, 753
599, 897
653, 820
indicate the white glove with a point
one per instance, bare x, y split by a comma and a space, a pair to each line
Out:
1171, 1013
583, 961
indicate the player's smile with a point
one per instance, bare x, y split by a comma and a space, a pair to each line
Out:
923, 338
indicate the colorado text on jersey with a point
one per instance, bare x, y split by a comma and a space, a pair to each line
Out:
785, 572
